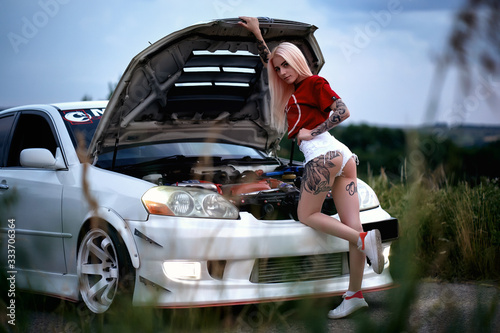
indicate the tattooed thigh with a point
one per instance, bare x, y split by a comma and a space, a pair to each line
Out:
351, 188
320, 172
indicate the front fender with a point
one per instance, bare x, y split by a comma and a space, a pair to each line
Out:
111, 217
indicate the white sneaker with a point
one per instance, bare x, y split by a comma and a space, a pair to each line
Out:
348, 306
372, 247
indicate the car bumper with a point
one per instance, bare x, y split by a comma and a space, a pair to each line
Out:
200, 262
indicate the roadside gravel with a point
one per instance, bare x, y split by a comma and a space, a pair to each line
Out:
435, 307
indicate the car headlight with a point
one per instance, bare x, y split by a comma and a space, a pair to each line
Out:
188, 202
367, 197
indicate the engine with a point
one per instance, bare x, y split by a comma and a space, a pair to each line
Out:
266, 195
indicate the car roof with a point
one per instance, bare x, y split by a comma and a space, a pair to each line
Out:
63, 106
80, 105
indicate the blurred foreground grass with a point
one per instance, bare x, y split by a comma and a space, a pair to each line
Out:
448, 233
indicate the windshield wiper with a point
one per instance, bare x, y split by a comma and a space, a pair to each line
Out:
248, 159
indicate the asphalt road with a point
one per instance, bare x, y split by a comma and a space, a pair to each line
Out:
430, 307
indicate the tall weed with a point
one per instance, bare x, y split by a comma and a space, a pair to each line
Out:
457, 228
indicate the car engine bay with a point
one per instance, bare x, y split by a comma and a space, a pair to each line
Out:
271, 195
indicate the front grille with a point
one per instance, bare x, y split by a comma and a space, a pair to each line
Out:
292, 269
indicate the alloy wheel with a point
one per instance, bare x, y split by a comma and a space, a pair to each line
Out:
98, 270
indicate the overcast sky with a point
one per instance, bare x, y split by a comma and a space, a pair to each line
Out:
380, 55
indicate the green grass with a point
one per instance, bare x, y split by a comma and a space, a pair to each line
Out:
455, 229
447, 233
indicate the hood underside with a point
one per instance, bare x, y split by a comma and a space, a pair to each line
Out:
203, 83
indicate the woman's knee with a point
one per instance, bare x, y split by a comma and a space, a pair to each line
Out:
303, 214
312, 220
307, 212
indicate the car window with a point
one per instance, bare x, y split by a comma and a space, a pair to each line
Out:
5, 128
81, 124
32, 131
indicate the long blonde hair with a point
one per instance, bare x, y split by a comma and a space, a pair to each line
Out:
280, 90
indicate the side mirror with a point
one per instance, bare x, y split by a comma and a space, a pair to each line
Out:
42, 158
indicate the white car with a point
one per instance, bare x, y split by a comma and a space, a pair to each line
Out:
179, 198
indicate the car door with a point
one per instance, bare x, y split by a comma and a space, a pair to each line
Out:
35, 194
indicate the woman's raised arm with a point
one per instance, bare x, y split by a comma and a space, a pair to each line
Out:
252, 25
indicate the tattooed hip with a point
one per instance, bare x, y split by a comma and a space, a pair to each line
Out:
323, 145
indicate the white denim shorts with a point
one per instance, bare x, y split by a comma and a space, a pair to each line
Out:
324, 143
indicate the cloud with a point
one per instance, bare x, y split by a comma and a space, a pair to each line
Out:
370, 5
379, 54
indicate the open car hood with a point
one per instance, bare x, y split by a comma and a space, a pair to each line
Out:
205, 82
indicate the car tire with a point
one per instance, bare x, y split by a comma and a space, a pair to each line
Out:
104, 269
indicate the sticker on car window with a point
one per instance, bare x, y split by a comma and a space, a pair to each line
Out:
77, 117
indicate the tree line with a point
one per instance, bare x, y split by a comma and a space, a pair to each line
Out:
398, 152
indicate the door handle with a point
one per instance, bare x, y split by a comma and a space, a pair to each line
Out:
4, 185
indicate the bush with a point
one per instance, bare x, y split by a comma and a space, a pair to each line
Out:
455, 229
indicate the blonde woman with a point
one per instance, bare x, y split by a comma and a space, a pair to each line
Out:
311, 108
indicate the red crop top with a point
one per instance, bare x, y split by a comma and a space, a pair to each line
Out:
310, 104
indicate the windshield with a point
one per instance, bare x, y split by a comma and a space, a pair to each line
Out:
142, 154
81, 124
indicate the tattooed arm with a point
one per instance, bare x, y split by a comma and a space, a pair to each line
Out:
252, 25
339, 114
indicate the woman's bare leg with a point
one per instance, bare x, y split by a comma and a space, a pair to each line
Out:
318, 179
345, 196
